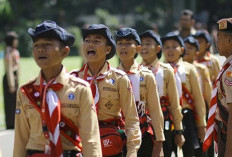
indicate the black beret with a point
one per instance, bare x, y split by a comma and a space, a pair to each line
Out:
174, 36
204, 34
49, 29
225, 25
155, 36
128, 33
192, 41
103, 30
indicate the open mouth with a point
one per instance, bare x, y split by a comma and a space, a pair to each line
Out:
41, 58
123, 53
91, 53
143, 52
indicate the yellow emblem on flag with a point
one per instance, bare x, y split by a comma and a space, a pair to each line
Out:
222, 24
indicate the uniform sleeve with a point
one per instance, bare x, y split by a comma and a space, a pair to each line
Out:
216, 68
88, 125
199, 100
22, 128
154, 108
173, 96
131, 117
207, 90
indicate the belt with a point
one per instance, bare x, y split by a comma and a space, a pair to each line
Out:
66, 153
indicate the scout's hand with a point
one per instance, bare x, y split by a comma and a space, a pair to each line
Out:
158, 149
179, 140
201, 133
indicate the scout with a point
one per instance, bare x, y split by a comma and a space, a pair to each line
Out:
221, 97
204, 56
151, 51
112, 92
193, 106
145, 92
55, 109
192, 48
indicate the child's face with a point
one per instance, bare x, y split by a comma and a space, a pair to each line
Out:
48, 53
95, 48
172, 50
149, 48
126, 49
191, 52
203, 45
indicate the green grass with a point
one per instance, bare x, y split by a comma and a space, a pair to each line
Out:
29, 70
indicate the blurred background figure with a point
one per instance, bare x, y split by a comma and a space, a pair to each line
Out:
10, 79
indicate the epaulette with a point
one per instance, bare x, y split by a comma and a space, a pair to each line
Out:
145, 69
118, 71
165, 65
29, 83
201, 66
74, 72
79, 80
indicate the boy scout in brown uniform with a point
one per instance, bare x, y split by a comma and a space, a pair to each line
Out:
192, 48
204, 56
145, 92
111, 88
55, 109
193, 110
151, 50
222, 98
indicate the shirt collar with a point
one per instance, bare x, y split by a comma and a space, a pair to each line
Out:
153, 64
133, 68
59, 79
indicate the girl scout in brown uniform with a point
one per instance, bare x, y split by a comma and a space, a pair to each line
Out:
55, 109
111, 90
193, 106
145, 92
169, 98
204, 56
221, 103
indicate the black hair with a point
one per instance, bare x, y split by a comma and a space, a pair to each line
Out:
9, 38
188, 12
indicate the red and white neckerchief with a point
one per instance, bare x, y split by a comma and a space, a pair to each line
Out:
159, 77
93, 83
51, 116
177, 71
206, 62
211, 125
135, 82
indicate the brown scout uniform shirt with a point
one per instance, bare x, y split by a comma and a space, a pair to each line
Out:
224, 87
79, 109
116, 95
205, 83
169, 89
189, 78
213, 65
149, 95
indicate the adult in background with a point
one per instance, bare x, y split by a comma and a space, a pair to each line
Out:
186, 24
10, 79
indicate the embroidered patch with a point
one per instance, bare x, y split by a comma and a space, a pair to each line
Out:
108, 105
228, 82
111, 81
228, 74
38, 103
17, 111
36, 94
141, 79
222, 24
71, 96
